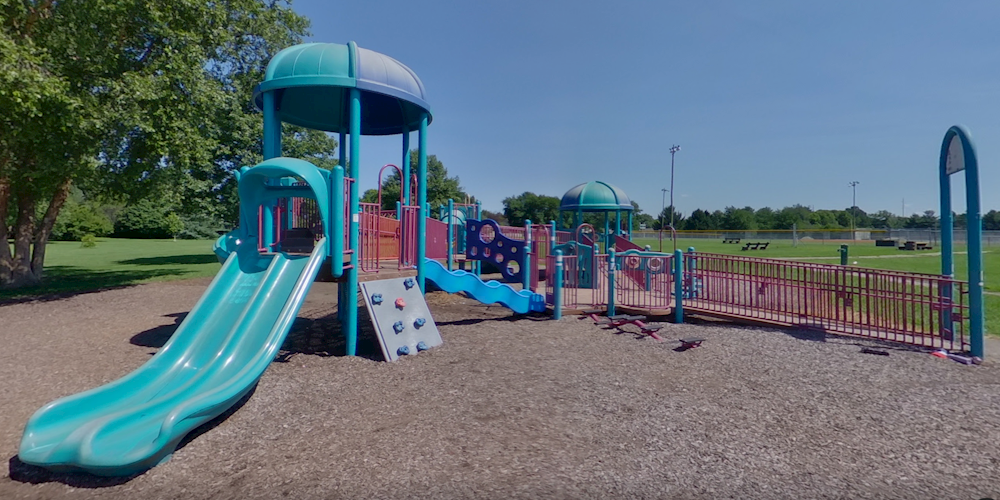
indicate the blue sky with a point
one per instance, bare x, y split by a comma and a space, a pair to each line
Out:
772, 102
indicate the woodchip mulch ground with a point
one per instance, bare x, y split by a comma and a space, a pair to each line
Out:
522, 407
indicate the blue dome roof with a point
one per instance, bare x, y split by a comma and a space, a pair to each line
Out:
313, 81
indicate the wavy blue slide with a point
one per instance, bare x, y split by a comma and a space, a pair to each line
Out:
490, 292
214, 358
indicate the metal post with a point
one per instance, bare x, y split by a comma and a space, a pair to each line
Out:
335, 226
663, 208
557, 286
404, 183
678, 286
552, 239
692, 266
673, 149
451, 233
422, 201
350, 324
854, 204
611, 283
526, 265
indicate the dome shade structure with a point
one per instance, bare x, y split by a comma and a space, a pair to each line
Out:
351, 91
595, 196
313, 83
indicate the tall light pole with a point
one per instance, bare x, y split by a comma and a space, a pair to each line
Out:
673, 149
663, 207
854, 204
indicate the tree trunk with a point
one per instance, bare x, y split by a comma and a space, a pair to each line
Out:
45, 228
23, 233
6, 259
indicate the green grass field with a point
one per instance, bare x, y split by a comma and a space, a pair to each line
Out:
121, 262
116, 262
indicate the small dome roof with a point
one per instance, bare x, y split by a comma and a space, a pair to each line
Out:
314, 80
595, 196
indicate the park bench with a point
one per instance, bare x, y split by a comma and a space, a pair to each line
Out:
731, 240
916, 245
757, 245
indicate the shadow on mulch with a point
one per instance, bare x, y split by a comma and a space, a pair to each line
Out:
172, 259
62, 282
157, 337
31, 474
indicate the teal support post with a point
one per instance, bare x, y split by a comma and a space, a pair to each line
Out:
451, 233
552, 237
678, 286
336, 223
843, 254
350, 324
618, 222
422, 200
607, 233
342, 159
271, 149
611, 283
630, 226
692, 266
557, 284
399, 211
526, 258
479, 216
406, 167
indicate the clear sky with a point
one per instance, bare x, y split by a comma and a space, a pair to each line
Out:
773, 103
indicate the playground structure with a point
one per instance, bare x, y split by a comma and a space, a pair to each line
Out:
296, 219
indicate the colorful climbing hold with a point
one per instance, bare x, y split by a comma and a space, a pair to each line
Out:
403, 351
400, 303
377, 298
409, 283
398, 326
419, 322
421, 346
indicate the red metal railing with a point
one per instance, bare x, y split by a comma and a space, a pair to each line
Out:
644, 281
409, 232
919, 309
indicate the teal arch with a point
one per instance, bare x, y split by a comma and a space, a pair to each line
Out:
957, 141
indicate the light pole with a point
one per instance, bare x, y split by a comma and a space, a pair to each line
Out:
673, 149
663, 207
854, 204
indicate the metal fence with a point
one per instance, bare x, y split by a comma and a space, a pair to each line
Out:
917, 309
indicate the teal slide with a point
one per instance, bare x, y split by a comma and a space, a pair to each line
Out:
490, 292
214, 358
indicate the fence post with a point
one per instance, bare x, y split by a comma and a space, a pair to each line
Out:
611, 282
692, 265
557, 286
451, 233
526, 259
552, 239
678, 286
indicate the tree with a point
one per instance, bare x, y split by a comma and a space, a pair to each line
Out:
739, 219
134, 97
664, 219
440, 187
701, 220
538, 208
884, 219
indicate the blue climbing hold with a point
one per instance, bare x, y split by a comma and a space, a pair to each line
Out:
403, 351
409, 283
377, 298
398, 326
419, 322
421, 346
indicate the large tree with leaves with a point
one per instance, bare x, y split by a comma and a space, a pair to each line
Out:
128, 98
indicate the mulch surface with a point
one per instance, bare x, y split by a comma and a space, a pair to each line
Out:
522, 407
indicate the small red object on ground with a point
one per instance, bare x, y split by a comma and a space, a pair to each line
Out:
400, 303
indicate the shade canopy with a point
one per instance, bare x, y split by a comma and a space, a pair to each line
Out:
595, 196
312, 84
